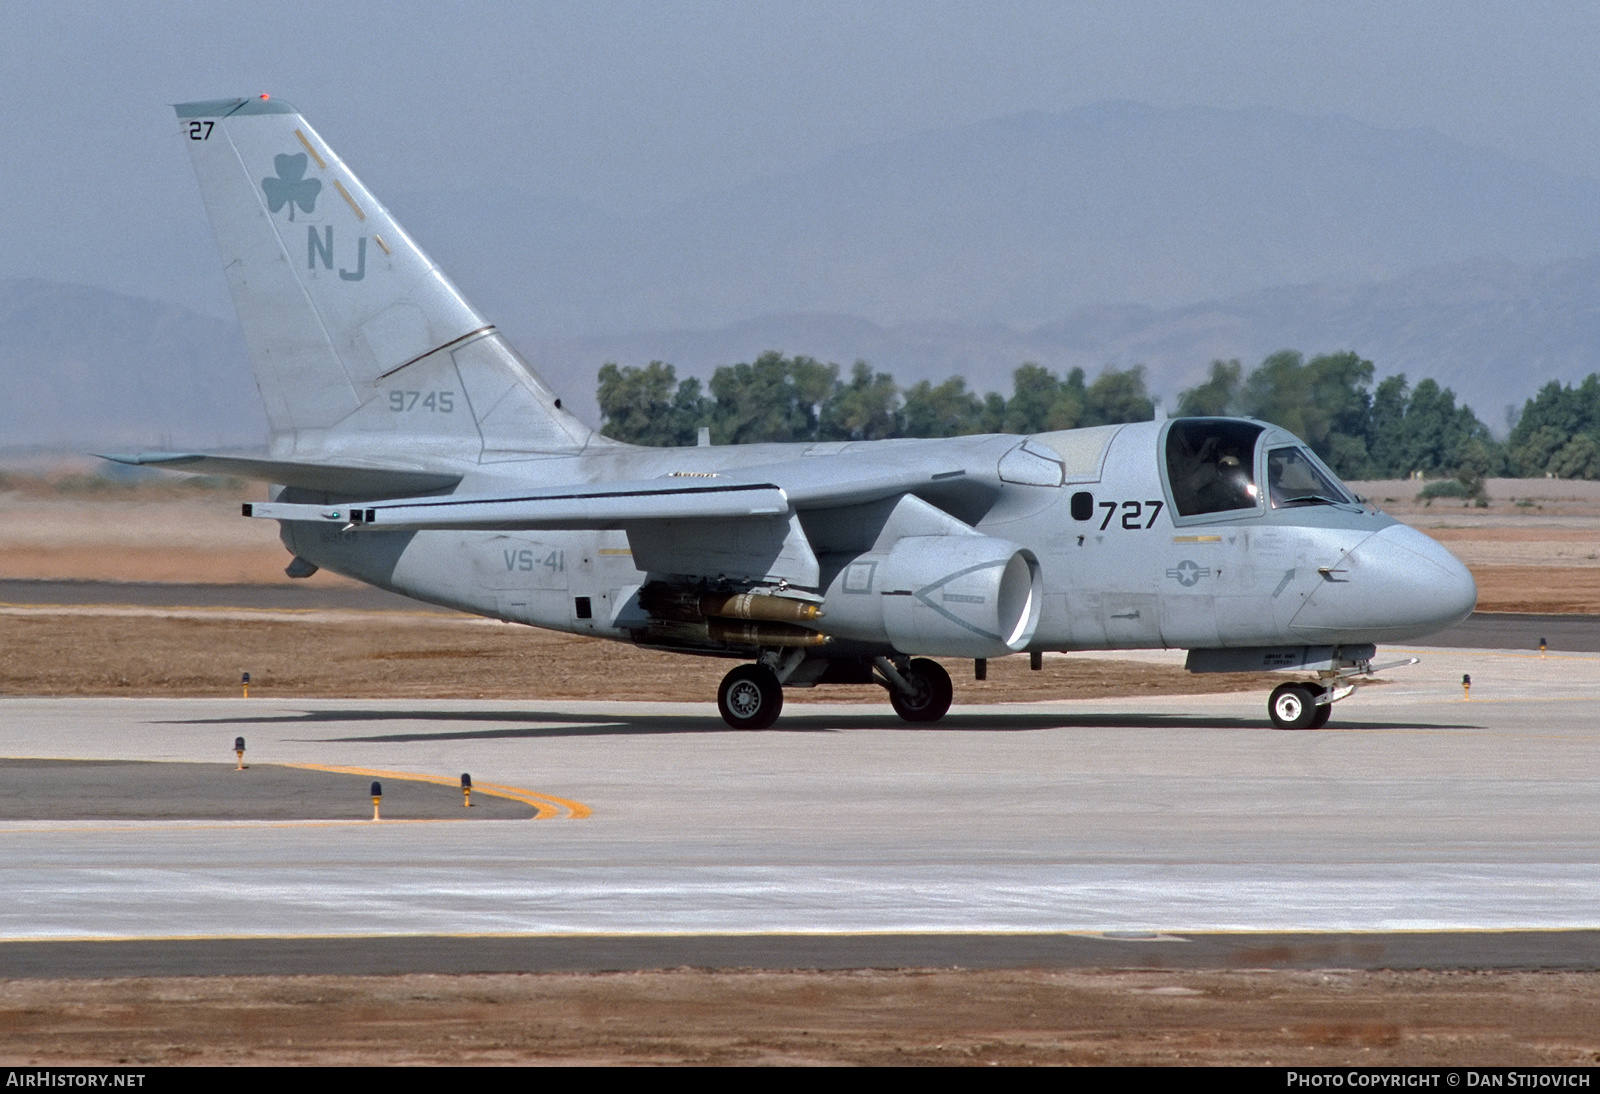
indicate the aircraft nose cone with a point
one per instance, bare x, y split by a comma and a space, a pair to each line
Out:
1394, 585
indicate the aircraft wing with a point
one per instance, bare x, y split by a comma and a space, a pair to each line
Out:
770, 491
359, 480
597, 506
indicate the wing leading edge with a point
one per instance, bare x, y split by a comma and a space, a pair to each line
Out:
601, 506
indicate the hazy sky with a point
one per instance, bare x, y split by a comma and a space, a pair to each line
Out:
629, 104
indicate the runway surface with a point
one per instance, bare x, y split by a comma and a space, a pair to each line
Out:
111, 790
1418, 827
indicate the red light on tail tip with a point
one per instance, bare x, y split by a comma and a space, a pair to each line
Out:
264, 95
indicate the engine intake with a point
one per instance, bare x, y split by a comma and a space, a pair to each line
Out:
952, 596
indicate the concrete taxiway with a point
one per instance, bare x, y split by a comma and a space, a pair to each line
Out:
1139, 823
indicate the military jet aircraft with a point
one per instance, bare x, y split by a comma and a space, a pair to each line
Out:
413, 449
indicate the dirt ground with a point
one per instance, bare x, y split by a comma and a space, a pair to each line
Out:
874, 1017
1533, 549
424, 655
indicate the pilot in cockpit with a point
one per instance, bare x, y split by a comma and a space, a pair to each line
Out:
1211, 466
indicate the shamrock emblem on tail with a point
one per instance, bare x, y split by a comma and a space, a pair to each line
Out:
291, 187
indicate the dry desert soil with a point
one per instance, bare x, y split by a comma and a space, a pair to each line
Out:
799, 1017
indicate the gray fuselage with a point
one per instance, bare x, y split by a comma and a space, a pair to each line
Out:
1120, 569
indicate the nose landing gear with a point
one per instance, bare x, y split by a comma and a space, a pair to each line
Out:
1295, 706
1307, 705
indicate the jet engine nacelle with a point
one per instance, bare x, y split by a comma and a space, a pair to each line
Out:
952, 596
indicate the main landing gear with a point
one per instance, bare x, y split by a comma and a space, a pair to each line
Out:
751, 696
919, 690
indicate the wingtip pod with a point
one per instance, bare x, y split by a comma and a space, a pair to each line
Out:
357, 339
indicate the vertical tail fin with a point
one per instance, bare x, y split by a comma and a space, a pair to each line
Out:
356, 337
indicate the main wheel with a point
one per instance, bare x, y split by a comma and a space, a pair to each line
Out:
750, 697
1292, 706
1320, 718
931, 692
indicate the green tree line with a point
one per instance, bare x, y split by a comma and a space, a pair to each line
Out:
1558, 432
1387, 430
778, 398
1362, 432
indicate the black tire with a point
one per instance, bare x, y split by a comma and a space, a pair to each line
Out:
750, 697
1292, 706
1320, 718
932, 690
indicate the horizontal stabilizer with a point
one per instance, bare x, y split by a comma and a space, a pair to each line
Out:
600, 506
361, 481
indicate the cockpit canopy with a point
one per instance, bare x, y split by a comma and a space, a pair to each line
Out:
1296, 477
1212, 468
1211, 464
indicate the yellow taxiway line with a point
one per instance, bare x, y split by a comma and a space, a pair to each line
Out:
545, 806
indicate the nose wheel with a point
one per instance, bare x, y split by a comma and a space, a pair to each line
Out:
750, 697
1295, 706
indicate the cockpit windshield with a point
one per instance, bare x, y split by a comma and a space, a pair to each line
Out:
1211, 465
1294, 478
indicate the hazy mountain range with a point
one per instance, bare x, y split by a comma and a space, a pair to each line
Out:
87, 369
1118, 234
1022, 220
1493, 331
